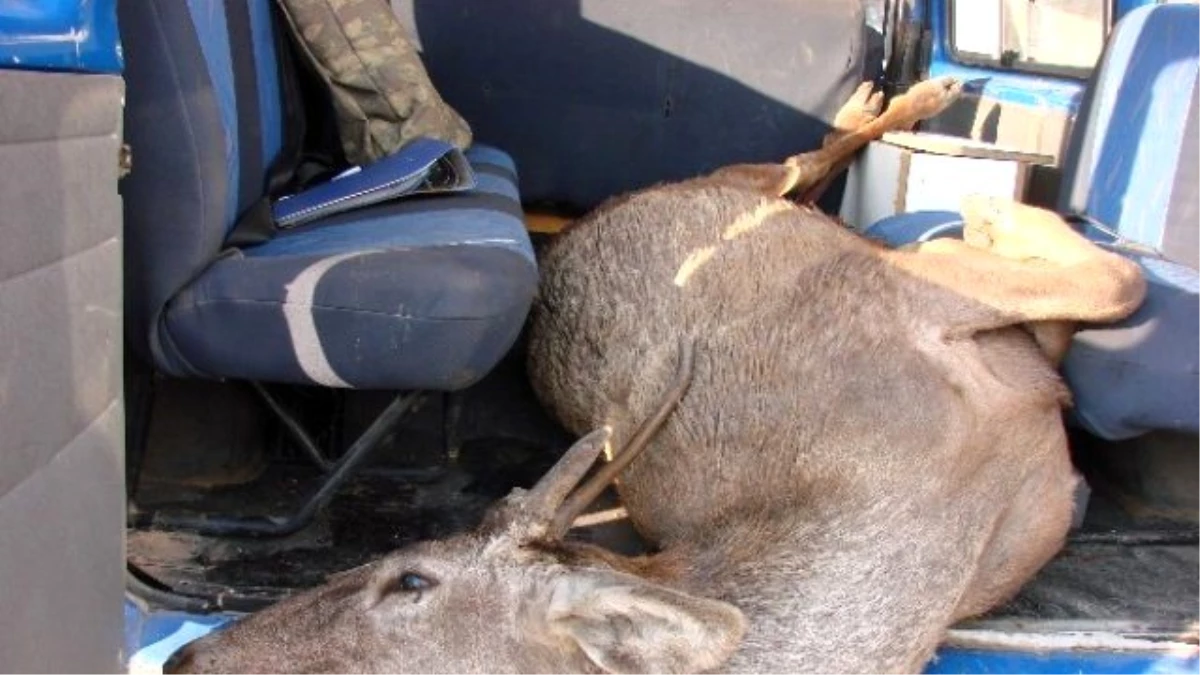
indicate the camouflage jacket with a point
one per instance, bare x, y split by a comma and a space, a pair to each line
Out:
382, 96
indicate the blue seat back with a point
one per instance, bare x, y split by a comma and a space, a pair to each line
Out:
199, 149
1132, 168
594, 99
1132, 164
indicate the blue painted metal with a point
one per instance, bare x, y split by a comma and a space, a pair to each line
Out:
152, 636
1028, 89
983, 661
1020, 88
71, 35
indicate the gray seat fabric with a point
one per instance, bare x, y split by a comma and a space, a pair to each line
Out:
424, 293
61, 407
594, 99
1132, 162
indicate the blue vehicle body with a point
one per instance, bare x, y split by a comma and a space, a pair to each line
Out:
60, 35
81, 36
1062, 94
988, 661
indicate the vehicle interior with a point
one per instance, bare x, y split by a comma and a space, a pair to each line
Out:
304, 405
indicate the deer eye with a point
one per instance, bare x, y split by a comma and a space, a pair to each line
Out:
411, 582
408, 583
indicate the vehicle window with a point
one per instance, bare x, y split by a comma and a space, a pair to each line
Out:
1051, 36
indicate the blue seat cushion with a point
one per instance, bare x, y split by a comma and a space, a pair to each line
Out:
1132, 163
425, 293
1129, 378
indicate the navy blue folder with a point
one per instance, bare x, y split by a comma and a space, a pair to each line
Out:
422, 166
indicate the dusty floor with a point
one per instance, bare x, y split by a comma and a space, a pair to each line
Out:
501, 440
376, 512
1155, 584
379, 512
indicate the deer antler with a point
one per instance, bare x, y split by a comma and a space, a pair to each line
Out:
587, 493
544, 498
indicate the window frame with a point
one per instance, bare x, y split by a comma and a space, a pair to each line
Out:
1049, 69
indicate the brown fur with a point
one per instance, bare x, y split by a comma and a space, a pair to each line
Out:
870, 448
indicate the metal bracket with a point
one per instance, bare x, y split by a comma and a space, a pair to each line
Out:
336, 476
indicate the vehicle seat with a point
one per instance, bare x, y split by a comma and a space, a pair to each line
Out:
1130, 171
595, 99
418, 294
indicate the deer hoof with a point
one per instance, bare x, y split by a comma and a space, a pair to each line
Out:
862, 108
930, 97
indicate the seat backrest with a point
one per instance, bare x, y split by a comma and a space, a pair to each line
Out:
203, 119
594, 98
1132, 162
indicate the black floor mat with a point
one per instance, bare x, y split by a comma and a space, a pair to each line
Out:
1154, 584
375, 513
432, 478
381, 511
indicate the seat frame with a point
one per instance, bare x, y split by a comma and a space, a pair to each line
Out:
335, 476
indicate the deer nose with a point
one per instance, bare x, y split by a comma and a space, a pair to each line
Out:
180, 661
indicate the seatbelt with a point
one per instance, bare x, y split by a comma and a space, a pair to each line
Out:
245, 91
292, 168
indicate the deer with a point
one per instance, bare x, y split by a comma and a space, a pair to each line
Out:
834, 450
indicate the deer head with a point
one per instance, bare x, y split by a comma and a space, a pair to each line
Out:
509, 597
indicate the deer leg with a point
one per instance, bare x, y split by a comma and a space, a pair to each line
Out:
1044, 299
1016, 231
924, 100
1053, 338
862, 108
772, 180
777, 180
1026, 265
855, 125
1019, 231
1022, 232
1031, 525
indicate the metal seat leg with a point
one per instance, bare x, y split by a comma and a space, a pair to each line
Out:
339, 472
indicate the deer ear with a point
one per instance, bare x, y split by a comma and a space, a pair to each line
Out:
628, 625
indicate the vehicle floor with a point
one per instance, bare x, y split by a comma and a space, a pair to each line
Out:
1151, 586
435, 476
502, 439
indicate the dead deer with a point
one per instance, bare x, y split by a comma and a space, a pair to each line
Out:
846, 448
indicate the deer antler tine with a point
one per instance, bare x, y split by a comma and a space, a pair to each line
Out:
587, 493
553, 488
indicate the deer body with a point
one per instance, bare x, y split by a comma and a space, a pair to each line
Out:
840, 465
858, 446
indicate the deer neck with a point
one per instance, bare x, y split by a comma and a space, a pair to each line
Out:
837, 594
